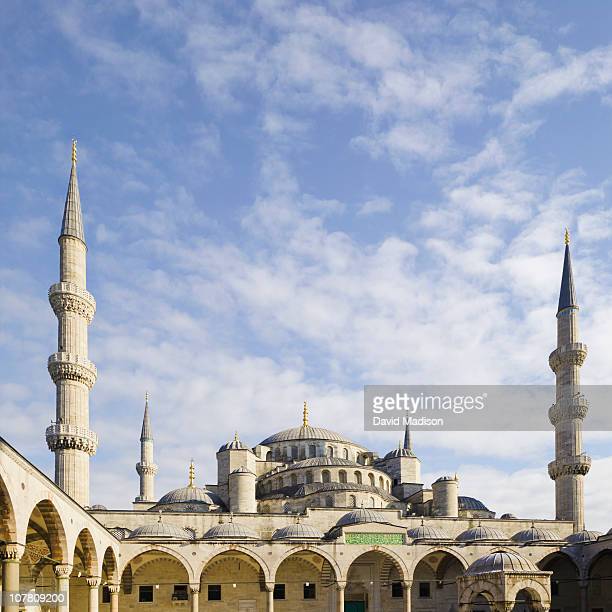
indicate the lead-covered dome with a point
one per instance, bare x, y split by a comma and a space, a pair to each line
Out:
160, 531
481, 533
428, 532
235, 444
471, 503
583, 536
306, 433
361, 515
535, 534
298, 531
186, 495
230, 531
501, 561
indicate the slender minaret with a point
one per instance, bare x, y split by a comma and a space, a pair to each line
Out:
146, 468
74, 375
570, 408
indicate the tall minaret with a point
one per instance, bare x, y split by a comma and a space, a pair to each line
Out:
145, 467
570, 408
74, 375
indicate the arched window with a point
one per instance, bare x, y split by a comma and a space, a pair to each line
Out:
329, 501
381, 483
308, 477
358, 478
293, 479
330, 451
372, 503
345, 453
342, 476
352, 501
285, 452
279, 482
294, 452
325, 476
302, 452
371, 478
277, 454
312, 450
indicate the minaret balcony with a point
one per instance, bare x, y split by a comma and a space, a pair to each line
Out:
65, 436
564, 410
572, 354
70, 297
147, 469
569, 466
67, 366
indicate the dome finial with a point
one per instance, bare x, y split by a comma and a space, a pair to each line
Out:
567, 236
74, 151
305, 416
236, 439
191, 473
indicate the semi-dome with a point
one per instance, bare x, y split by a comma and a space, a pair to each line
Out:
361, 515
481, 533
501, 561
242, 470
427, 532
471, 503
235, 444
583, 536
535, 534
323, 462
162, 531
230, 531
298, 531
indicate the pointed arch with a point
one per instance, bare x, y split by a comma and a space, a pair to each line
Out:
84, 553
8, 523
108, 567
337, 571
45, 523
157, 548
233, 548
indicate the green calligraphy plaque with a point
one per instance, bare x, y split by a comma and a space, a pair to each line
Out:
374, 538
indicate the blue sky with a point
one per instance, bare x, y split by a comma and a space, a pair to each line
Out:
286, 201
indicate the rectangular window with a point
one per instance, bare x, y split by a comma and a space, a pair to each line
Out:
279, 591
310, 590
145, 593
397, 589
424, 590
105, 594
214, 592
180, 592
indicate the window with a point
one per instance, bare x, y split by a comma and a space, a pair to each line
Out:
424, 590
214, 592
279, 591
345, 453
397, 589
325, 476
381, 483
105, 594
310, 590
180, 593
329, 501
371, 479
312, 450
294, 452
277, 454
358, 479
145, 593
342, 476
352, 501
269, 456
302, 452
372, 504
308, 477
330, 451
293, 479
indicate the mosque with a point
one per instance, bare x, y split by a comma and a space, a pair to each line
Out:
305, 520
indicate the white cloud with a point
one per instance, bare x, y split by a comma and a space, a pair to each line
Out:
375, 205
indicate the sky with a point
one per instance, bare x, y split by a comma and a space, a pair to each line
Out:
285, 201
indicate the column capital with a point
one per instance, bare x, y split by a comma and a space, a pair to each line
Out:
93, 582
11, 551
194, 588
270, 586
62, 570
407, 584
114, 588
340, 585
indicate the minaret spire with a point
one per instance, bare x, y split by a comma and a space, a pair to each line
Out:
146, 468
191, 474
407, 440
74, 375
571, 464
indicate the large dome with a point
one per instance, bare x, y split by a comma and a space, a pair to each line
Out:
162, 531
471, 503
501, 561
481, 533
306, 433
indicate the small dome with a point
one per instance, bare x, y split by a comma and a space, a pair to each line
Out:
507, 516
446, 479
98, 507
481, 533
583, 536
160, 530
242, 470
298, 531
535, 534
471, 503
186, 495
501, 561
428, 532
234, 444
400, 452
361, 515
230, 531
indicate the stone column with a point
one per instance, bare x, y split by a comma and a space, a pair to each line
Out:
62, 574
340, 586
195, 597
584, 595
407, 593
10, 555
93, 582
270, 599
114, 597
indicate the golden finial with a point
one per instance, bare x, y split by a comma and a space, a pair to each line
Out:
305, 419
74, 151
191, 473
567, 236
236, 439
146, 397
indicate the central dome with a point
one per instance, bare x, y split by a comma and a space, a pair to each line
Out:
306, 432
